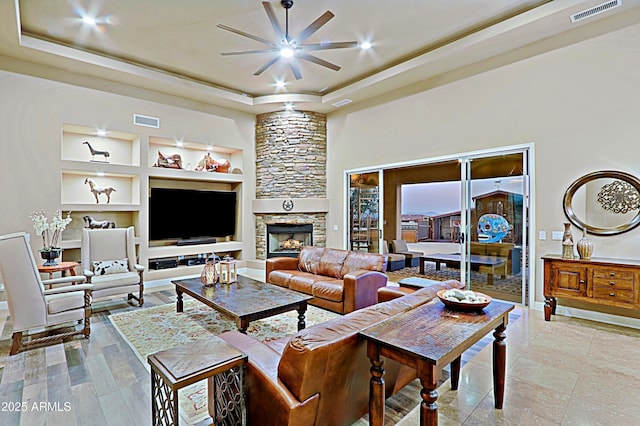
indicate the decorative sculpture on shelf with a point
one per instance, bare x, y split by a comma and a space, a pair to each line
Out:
209, 164
95, 152
173, 161
97, 190
91, 223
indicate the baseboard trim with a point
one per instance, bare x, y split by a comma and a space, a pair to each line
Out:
592, 316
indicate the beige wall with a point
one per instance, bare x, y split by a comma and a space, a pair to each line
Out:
578, 106
32, 112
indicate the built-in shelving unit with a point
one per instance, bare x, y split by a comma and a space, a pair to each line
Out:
131, 177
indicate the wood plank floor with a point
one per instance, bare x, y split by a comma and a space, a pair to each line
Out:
99, 381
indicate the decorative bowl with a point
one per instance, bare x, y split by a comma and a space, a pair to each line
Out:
464, 306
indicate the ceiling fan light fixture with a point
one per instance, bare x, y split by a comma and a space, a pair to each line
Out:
287, 52
365, 45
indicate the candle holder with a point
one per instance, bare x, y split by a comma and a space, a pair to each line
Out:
228, 271
210, 275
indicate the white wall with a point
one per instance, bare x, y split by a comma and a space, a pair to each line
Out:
579, 105
32, 111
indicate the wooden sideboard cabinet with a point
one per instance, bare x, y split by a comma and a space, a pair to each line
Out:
613, 282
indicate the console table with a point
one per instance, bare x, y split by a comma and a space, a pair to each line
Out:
602, 281
428, 338
212, 359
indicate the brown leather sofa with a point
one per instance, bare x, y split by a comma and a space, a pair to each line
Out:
339, 280
320, 376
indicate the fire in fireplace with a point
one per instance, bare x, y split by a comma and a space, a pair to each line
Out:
285, 239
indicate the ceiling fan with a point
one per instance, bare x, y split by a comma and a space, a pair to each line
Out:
288, 47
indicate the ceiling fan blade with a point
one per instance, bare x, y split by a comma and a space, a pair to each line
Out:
318, 61
295, 69
313, 27
274, 21
247, 52
251, 36
337, 45
267, 65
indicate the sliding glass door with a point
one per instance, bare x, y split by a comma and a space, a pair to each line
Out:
469, 217
495, 222
364, 211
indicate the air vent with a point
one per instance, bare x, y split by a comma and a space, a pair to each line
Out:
588, 13
144, 120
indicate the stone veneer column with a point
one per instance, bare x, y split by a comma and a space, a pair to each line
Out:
291, 155
291, 162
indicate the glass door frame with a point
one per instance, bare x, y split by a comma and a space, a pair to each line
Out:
347, 226
466, 178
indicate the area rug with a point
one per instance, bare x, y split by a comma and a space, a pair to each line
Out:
508, 288
154, 329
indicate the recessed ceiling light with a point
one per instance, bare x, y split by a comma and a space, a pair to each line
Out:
280, 84
342, 102
101, 132
89, 20
209, 148
100, 174
179, 143
365, 45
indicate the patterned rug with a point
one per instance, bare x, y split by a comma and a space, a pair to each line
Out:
154, 329
508, 288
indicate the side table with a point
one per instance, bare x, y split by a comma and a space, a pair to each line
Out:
181, 366
427, 338
62, 267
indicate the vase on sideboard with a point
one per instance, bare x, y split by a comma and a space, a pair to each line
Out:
567, 242
585, 247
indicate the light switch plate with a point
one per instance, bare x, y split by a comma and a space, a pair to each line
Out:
542, 235
557, 235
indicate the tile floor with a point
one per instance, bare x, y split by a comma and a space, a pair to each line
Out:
563, 372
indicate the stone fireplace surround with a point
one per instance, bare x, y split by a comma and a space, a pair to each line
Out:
291, 156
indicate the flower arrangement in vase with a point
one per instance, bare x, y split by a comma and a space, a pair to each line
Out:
50, 233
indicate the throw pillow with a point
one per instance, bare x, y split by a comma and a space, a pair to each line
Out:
106, 267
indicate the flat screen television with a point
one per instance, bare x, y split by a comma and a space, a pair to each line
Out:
183, 214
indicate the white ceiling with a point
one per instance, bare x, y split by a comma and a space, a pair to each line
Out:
174, 46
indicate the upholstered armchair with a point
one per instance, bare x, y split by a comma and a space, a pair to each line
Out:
31, 307
109, 263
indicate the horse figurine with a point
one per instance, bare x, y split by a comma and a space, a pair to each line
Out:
91, 223
97, 190
173, 161
95, 152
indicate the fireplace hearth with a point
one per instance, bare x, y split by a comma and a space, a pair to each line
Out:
287, 240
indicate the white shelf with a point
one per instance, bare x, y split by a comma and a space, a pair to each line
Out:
169, 251
76, 244
178, 272
122, 147
161, 172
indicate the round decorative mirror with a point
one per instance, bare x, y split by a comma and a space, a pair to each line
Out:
604, 203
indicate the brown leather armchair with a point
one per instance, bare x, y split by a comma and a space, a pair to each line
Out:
321, 375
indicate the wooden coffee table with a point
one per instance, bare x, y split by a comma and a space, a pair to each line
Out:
488, 263
427, 338
245, 300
